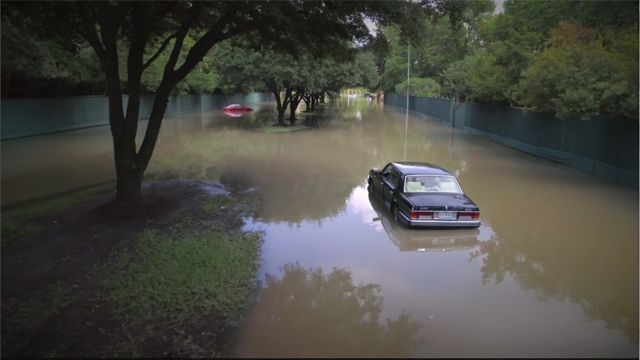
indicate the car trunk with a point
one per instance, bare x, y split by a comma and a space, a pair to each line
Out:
440, 201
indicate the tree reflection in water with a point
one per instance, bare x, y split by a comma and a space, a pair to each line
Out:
604, 295
309, 313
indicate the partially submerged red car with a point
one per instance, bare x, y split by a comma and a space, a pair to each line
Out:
237, 107
236, 110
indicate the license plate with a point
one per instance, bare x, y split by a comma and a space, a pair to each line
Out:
446, 215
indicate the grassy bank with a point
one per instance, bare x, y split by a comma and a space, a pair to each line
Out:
170, 277
185, 273
28, 219
190, 284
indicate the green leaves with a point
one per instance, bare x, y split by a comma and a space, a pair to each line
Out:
240, 67
187, 274
420, 87
578, 76
531, 56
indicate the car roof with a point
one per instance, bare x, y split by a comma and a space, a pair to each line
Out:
419, 168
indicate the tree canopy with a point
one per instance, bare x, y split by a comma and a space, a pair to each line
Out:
571, 57
242, 66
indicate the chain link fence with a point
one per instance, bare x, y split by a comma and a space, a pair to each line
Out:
602, 146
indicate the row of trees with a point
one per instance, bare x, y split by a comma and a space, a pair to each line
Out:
137, 47
34, 65
292, 79
575, 58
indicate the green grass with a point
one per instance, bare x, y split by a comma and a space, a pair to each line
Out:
217, 203
25, 220
160, 278
185, 274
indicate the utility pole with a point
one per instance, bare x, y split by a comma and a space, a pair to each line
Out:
408, 72
406, 119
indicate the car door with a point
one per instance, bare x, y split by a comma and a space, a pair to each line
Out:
378, 181
401, 200
390, 182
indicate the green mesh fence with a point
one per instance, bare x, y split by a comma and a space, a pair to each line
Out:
602, 146
35, 116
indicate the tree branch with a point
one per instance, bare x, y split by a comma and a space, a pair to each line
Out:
159, 51
169, 69
110, 18
141, 22
89, 31
206, 42
171, 76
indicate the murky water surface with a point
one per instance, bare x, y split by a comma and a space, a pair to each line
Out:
552, 271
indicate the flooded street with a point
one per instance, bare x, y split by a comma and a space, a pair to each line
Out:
552, 271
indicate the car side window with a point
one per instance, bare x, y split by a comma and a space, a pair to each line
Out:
393, 178
387, 174
396, 178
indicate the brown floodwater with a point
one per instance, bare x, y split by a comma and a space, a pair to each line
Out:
552, 271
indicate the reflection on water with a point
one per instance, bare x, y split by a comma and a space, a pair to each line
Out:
309, 313
267, 116
425, 240
553, 270
236, 113
598, 289
256, 119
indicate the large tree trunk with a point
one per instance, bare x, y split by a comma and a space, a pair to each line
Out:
128, 170
281, 117
293, 107
314, 100
100, 25
129, 185
128, 175
281, 105
307, 101
292, 112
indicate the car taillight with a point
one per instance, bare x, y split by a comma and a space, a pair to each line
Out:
473, 215
416, 214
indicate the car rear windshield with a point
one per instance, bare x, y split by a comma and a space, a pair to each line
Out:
431, 184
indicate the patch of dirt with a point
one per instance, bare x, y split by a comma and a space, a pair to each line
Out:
52, 301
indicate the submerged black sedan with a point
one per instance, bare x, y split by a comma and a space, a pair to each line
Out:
425, 195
